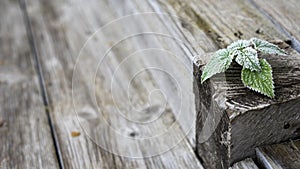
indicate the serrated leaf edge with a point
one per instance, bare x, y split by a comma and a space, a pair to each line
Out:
230, 55
251, 60
283, 53
249, 87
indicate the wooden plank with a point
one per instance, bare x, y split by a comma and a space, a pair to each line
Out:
285, 15
247, 119
251, 22
25, 140
191, 24
223, 25
245, 164
60, 33
223, 21
277, 156
193, 43
266, 161
173, 73
208, 46
197, 40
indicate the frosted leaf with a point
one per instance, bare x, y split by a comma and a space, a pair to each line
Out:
219, 62
240, 44
235, 47
267, 47
256, 74
262, 81
248, 58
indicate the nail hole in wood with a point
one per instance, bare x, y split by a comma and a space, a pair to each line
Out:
133, 134
286, 125
289, 42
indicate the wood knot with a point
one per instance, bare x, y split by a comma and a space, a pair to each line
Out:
259, 31
133, 134
286, 125
238, 34
88, 113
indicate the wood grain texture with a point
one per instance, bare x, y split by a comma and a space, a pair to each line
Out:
224, 25
245, 164
25, 137
285, 15
129, 120
224, 21
248, 119
278, 156
61, 29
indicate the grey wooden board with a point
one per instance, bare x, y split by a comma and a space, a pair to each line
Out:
280, 156
199, 20
245, 164
25, 138
60, 30
65, 26
222, 21
285, 14
223, 25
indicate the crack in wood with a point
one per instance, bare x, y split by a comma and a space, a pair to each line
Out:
41, 80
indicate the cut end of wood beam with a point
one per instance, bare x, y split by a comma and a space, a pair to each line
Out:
233, 120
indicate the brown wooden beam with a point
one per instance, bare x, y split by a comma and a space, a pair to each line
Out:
232, 120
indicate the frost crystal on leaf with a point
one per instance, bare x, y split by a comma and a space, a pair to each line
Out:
248, 58
261, 82
238, 45
266, 47
219, 62
256, 73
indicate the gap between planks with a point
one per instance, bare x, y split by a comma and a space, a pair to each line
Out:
25, 134
184, 150
41, 80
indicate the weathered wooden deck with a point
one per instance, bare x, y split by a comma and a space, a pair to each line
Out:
109, 83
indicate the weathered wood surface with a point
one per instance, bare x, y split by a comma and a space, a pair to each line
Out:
224, 25
123, 120
196, 20
211, 18
280, 156
285, 15
245, 164
60, 30
25, 137
222, 21
247, 119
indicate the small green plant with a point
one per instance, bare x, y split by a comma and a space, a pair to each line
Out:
256, 73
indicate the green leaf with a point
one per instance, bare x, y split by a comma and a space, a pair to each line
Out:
267, 47
240, 44
219, 62
248, 58
262, 81
235, 47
